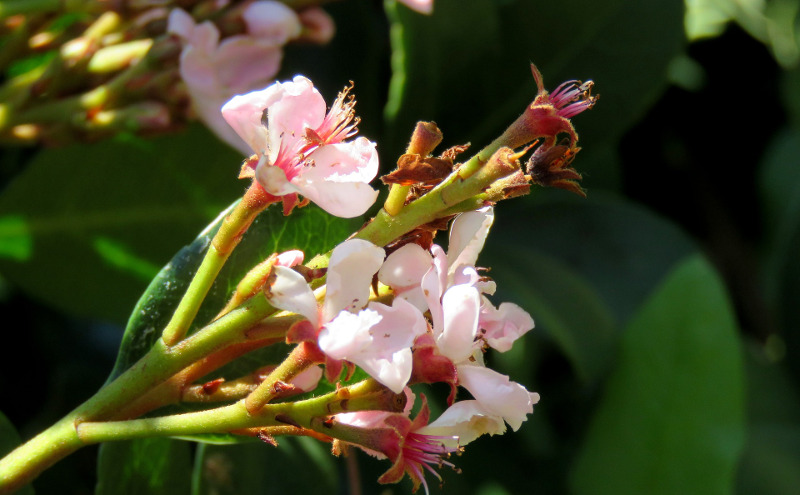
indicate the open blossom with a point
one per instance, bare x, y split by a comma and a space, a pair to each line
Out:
374, 336
214, 70
302, 149
404, 442
463, 317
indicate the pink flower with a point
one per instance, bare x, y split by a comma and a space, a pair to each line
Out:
400, 439
302, 150
378, 338
215, 70
450, 287
318, 26
421, 6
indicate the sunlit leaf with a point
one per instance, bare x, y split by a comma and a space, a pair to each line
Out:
309, 229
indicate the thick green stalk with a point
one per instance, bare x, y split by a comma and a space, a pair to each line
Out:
160, 363
225, 240
365, 395
471, 179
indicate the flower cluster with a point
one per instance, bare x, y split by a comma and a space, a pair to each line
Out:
435, 329
214, 70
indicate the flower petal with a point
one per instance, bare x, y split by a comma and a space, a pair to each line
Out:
497, 394
466, 420
461, 308
271, 22
338, 180
467, 236
290, 292
504, 325
350, 270
403, 271
244, 114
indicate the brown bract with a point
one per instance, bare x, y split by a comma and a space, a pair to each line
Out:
551, 167
414, 169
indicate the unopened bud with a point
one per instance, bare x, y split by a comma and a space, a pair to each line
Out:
425, 139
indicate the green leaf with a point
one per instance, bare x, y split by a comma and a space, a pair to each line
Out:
564, 305
296, 465
149, 466
9, 440
309, 229
620, 248
467, 69
84, 227
672, 416
770, 464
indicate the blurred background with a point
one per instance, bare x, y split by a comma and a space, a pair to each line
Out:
667, 340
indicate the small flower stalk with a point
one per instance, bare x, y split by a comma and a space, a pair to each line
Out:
369, 321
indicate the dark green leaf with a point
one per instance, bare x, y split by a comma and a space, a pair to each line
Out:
564, 305
771, 461
150, 466
309, 229
9, 440
467, 69
672, 417
85, 227
622, 249
296, 465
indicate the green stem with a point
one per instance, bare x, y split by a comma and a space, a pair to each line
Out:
361, 396
396, 199
471, 179
227, 237
160, 363
298, 360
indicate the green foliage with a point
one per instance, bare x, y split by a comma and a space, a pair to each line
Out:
105, 214
470, 65
152, 466
295, 465
671, 419
308, 229
636, 352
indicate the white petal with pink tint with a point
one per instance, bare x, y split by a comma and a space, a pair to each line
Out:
350, 270
504, 325
403, 271
467, 237
378, 339
290, 292
338, 179
461, 309
272, 22
421, 6
308, 379
300, 106
467, 420
244, 113
497, 394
